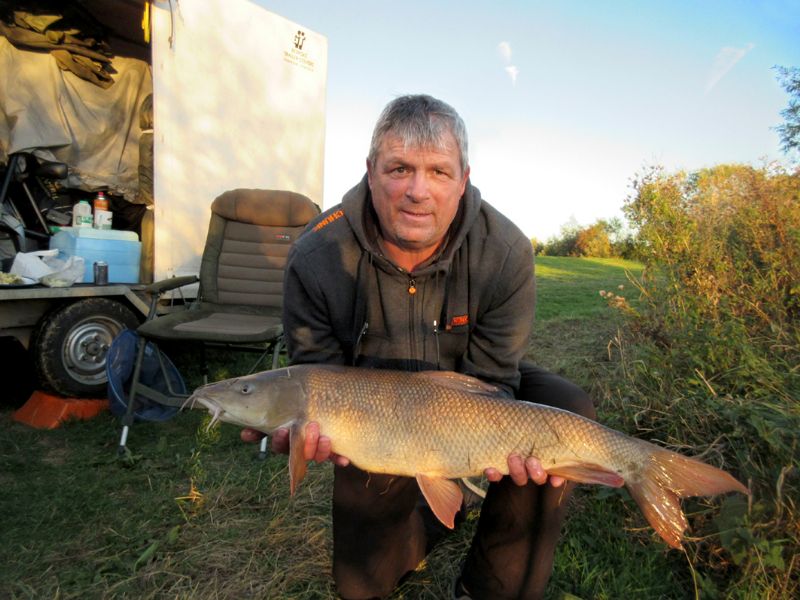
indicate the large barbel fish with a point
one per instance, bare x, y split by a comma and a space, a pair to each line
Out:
438, 426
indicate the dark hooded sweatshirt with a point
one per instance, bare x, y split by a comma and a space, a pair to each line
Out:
468, 309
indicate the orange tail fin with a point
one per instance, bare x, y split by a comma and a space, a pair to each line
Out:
667, 477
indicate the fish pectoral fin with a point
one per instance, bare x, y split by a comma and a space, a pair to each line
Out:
443, 496
297, 461
588, 473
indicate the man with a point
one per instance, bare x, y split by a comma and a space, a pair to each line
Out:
413, 271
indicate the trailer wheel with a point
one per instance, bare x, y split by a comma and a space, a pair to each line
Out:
71, 344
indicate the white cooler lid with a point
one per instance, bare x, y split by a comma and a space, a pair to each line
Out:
100, 234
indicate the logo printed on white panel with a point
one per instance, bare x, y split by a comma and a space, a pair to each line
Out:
295, 55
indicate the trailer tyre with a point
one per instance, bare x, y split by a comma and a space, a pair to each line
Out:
71, 344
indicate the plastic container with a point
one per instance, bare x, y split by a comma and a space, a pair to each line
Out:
100, 201
102, 216
120, 249
82, 214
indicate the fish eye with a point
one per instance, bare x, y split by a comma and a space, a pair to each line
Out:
246, 388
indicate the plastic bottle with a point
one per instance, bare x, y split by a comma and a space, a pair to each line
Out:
102, 216
100, 201
82, 214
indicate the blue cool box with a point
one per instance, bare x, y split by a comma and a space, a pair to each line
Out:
120, 249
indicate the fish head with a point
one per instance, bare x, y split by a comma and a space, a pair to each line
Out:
262, 401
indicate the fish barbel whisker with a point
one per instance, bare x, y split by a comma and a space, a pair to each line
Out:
215, 417
214, 409
190, 401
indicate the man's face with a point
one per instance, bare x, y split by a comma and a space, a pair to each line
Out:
415, 192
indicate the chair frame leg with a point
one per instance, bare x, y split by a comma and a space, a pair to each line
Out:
262, 450
127, 420
261, 357
276, 352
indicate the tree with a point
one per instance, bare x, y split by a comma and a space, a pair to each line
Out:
597, 240
593, 241
789, 131
564, 243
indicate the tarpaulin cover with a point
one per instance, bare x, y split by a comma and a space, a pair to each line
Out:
60, 117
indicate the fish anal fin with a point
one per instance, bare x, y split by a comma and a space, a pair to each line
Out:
443, 496
297, 462
588, 473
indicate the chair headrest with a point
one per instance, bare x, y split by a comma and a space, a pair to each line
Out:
274, 208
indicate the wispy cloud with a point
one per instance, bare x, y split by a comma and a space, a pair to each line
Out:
725, 60
512, 72
504, 49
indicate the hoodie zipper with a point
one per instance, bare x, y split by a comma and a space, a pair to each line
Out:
357, 352
412, 337
436, 337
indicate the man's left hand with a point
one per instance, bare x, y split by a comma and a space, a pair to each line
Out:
522, 470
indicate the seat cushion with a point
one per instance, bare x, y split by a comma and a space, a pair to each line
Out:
228, 324
214, 325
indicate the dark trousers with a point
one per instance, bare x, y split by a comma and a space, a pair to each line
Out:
379, 532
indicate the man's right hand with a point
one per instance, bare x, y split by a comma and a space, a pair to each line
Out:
317, 447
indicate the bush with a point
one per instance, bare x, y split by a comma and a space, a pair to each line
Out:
722, 251
715, 358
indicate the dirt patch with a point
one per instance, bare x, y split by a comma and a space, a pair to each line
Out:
55, 457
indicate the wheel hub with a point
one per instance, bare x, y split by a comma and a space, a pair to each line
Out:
86, 348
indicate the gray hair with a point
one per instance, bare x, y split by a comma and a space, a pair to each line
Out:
420, 121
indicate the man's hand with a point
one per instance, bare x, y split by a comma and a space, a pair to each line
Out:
316, 447
521, 471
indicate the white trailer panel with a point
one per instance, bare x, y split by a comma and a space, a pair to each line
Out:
239, 101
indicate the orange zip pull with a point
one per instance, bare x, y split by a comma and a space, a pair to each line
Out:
412, 287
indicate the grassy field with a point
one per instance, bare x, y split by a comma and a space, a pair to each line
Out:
568, 288
193, 514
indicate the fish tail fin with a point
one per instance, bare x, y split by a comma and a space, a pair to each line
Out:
665, 478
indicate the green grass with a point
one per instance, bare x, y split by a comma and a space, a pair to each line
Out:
568, 287
80, 523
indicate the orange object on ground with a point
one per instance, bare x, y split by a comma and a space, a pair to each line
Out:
46, 411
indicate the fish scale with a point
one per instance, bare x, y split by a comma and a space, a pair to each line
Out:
438, 426
490, 427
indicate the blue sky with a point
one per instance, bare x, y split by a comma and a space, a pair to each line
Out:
564, 101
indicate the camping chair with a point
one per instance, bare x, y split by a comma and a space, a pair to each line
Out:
241, 287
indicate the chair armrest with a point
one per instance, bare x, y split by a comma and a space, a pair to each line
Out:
159, 287
165, 285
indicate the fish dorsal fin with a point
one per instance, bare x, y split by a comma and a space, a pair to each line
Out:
459, 382
297, 459
443, 496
